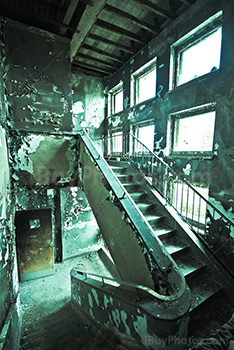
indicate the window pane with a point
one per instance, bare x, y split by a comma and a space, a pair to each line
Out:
200, 58
118, 101
146, 86
194, 133
146, 135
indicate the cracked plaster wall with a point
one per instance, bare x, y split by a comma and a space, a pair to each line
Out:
215, 172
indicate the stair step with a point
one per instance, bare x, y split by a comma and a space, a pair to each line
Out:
146, 208
116, 163
203, 288
125, 178
189, 271
118, 169
137, 196
131, 187
153, 220
164, 232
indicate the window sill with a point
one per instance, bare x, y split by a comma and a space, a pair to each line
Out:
197, 155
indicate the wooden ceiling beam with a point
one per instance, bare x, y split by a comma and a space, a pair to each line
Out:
85, 25
154, 8
39, 18
133, 19
94, 68
104, 53
118, 30
94, 59
68, 15
110, 42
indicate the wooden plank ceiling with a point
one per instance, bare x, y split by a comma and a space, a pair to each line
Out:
104, 34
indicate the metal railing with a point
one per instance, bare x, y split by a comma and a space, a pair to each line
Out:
135, 288
190, 203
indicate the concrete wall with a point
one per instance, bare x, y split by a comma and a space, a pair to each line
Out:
215, 172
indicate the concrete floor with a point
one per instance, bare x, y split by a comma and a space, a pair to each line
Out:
44, 296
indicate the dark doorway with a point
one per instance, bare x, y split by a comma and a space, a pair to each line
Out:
34, 240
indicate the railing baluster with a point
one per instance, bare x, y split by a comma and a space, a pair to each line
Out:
198, 215
165, 180
182, 197
193, 206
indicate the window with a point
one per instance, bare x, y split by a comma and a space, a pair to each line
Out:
35, 223
197, 53
143, 83
192, 131
116, 99
115, 143
146, 135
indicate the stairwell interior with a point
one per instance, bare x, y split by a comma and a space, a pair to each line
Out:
131, 192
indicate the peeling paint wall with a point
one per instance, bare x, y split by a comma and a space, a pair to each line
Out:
8, 268
43, 160
37, 69
216, 172
88, 104
158, 325
80, 232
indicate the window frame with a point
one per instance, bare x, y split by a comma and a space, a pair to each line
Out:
140, 73
192, 38
111, 98
192, 112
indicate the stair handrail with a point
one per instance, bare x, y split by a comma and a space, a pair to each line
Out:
118, 189
147, 290
182, 179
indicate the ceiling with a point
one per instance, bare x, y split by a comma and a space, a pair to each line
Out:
104, 34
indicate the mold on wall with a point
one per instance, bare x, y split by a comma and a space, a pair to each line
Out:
88, 104
37, 68
80, 232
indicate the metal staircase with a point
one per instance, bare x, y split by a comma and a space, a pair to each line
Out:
137, 205
187, 255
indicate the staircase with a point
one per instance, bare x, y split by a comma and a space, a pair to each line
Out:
208, 283
62, 330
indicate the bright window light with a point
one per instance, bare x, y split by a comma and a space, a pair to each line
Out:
198, 52
146, 86
194, 133
146, 135
118, 101
115, 99
115, 142
143, 83
200, 58
189, 204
